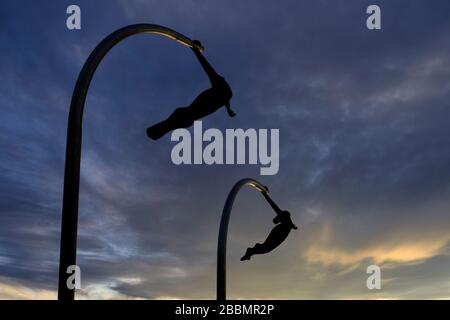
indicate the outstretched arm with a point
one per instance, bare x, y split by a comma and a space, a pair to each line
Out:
272, 204
205, 64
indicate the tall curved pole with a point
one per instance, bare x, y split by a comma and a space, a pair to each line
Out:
223, 232
73, 145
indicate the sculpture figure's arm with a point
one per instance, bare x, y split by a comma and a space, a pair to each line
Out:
272, 203
212, 74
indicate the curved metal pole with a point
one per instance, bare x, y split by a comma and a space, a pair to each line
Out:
223, 232
73, 146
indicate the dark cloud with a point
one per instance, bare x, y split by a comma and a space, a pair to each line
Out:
363, 137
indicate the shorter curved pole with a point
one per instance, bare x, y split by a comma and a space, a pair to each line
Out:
223, 232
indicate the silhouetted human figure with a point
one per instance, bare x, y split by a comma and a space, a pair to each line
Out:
207, 102
278, 234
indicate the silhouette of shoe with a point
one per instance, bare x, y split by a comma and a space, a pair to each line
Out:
156, 131
246, 256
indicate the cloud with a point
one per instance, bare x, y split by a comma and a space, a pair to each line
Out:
402, 252
364, 137
14, 291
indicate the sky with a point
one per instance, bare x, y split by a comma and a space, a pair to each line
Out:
364, 135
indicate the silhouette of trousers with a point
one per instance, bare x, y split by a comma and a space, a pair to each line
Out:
259, 249
206, 103
180, 118
278, 234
